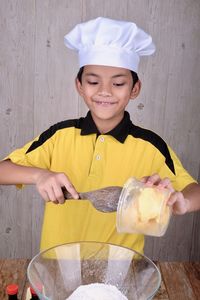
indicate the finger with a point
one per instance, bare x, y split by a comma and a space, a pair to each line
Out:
59, 194
71, 189
144, 179
176, 197
153, 179
166, 183
69, 186
44, 196
172, 199
51, 194
55, 202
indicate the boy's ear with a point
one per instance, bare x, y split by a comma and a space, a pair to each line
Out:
136, 90
79, 87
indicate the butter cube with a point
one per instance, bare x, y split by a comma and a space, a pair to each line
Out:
149, 204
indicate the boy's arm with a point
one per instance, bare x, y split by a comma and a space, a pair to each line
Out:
11, 173
48, 183
188, 199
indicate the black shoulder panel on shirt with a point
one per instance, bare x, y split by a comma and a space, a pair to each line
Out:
155, 140
52, 130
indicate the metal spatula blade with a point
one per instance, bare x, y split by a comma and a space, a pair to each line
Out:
104, 200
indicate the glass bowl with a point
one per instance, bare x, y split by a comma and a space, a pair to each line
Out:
57, 272
143, 209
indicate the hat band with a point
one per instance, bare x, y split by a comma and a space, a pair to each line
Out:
109, 56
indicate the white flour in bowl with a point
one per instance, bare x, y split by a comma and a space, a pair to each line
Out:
97, 291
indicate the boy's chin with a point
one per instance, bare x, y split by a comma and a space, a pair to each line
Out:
107, 116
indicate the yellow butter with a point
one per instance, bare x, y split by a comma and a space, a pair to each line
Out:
143, 209
149, 204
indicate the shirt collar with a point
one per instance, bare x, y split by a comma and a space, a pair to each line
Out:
120, 132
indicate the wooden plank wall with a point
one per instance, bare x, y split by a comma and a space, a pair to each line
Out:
37, 89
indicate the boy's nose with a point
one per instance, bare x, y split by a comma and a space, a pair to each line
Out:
104, 93
104, 89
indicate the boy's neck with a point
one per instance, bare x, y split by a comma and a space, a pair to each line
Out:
107, 125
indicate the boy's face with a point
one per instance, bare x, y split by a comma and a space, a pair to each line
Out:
107, 91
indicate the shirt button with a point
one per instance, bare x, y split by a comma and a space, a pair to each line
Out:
102, 139
98, 157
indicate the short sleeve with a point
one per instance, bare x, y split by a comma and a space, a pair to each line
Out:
38, 156
180, 178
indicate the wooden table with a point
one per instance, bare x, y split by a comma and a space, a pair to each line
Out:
180, 280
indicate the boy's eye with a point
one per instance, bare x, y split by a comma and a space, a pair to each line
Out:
119, 84
92, 82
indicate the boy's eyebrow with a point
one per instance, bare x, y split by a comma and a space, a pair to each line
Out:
91, 74
119, 75
114, 76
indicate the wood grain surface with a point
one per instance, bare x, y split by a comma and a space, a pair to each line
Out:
180, 280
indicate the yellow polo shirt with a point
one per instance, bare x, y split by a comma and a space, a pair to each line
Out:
91, 161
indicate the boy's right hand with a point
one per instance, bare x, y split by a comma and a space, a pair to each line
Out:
49, 185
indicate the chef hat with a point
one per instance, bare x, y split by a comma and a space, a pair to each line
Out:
108, 42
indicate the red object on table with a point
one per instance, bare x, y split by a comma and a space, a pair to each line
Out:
33, 294
12, 291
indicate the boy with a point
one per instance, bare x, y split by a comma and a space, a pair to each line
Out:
102, 149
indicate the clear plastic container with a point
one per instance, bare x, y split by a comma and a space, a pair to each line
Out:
143, 209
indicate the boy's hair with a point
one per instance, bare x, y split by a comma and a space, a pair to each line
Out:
80, 72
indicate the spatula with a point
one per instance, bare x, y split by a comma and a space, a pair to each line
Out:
104, 200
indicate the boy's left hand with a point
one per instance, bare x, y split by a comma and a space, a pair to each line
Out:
177, 201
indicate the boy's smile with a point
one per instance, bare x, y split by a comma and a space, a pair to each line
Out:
106, 91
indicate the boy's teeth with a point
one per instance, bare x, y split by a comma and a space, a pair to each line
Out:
104, 102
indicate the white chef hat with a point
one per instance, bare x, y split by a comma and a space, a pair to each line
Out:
108, 42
